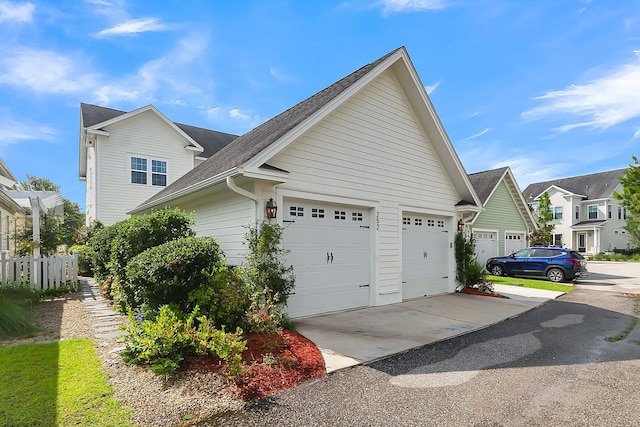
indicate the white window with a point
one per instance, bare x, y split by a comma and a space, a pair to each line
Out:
557, 212
593, 211
577, 212
146, 171
317, 213
556, 240
296, 211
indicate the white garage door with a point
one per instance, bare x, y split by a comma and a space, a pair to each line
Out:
486, 245
330, 254
425, 255
513, 242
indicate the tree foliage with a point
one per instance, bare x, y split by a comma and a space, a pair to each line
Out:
630, 199
542, 235
469, 271
56, 232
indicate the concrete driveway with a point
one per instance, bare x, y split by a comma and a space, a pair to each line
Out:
352, 337
612, 276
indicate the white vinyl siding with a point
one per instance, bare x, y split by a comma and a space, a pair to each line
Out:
144, 135
225, 216
373, 148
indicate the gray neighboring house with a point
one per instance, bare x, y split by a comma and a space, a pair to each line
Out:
506, 221
586, 217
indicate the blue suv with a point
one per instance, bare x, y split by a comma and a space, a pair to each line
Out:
557, 264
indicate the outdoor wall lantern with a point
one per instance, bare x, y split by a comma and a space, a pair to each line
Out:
272, 208
460, 225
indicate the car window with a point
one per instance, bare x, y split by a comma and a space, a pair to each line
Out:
576, 255
523, 253
543, 253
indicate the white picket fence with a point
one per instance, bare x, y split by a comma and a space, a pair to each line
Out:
51, 271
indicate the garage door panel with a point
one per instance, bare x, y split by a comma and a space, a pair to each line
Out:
514, 242
330, 251
425, 256
486, 245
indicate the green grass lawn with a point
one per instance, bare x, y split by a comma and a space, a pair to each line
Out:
530, 283
56, 384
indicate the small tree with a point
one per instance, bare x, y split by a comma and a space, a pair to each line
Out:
265, 263
630, 198
469, 271
542, 235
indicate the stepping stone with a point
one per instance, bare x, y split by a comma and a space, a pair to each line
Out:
110, 335
106, 324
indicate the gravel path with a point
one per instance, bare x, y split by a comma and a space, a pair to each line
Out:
200, 394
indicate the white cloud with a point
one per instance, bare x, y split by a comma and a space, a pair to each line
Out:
477, 135
528, 170
44, 71
396, 6
214, 113
135, 26
162, 77
432, 87
235, 113
12, 132
16, 12
600, 103
636, 135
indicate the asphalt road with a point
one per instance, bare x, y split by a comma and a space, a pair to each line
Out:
552, 366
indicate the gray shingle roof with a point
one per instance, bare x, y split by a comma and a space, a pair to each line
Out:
253, 142
212, 141
484, 182
593, 186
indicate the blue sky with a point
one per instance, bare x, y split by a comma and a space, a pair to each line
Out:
548, 87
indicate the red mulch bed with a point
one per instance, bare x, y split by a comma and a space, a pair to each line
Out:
293, 359
473, 291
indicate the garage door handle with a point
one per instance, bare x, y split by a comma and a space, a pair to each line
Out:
327, 257
331, 257
364, 286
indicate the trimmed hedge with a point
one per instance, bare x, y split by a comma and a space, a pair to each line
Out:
166, 273
139, 233
111, 248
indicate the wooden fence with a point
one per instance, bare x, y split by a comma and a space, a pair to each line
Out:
52, 271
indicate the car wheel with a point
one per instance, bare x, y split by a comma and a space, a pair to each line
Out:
497, 270
555, 275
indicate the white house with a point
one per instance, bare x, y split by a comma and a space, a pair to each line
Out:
586, 216
126, 157
367, 184
11, 212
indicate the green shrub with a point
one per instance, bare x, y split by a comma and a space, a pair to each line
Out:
84, 258
139, 233
265, 269
86, 232
168, 273
111, 248
99, 251
15, 310
223, 297
469, 271
164, 340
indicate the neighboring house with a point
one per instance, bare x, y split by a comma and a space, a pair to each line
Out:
506, 221
11, 213
369, 190
127, 157
586, 217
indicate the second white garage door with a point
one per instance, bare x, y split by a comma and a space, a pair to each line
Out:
514, 242
330, 254
425, 255
486, 245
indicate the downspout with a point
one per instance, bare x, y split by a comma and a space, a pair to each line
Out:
231, 183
